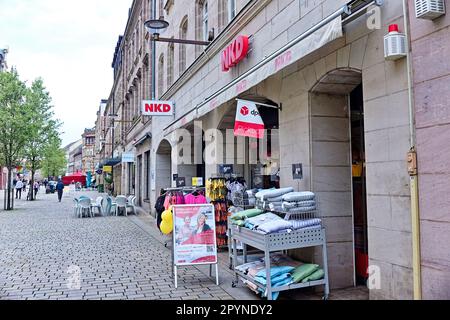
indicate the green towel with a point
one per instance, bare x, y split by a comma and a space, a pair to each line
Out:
304, 271
318, 275
240, 223
246, 214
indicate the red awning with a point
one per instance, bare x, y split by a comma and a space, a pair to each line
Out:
76, 177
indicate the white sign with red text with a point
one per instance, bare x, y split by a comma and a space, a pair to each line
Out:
248, 120
158, 108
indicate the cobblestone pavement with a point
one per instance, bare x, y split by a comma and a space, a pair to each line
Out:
43, 249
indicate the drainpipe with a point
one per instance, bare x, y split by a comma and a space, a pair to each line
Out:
412, 159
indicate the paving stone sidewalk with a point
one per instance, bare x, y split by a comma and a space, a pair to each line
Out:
47, 253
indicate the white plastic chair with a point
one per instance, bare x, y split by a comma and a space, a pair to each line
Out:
85, 205
131, 203
97, 205
76, 206
121, 203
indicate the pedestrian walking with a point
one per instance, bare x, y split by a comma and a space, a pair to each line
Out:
36, 188
60, 189
24, 186
19, 187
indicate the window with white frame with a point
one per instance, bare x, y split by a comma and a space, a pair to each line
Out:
161, 75
205, 21
231, 9
183, 35
170, 60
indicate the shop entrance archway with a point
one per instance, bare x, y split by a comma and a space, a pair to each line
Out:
163, 166
338, 169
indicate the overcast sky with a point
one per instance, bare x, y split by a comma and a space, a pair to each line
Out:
70, 44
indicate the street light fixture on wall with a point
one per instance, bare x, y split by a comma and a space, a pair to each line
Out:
153, 26
161, 24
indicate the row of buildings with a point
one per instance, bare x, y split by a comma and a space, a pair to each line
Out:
80, 155
336, 94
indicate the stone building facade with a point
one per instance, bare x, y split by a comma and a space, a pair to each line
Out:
342, 106
430, 50
88, 151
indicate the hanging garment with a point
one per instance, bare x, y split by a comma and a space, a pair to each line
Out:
159, 207
191, 199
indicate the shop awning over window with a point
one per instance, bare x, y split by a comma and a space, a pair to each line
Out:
291, 53
110, 162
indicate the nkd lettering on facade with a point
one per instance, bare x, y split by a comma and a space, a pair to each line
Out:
158, 108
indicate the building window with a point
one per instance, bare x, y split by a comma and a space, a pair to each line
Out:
231, 9
183, 35
205, 21
161, 8
170, 59
161, 75
147, 175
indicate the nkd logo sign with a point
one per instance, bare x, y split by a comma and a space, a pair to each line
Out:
158, 108
234, 53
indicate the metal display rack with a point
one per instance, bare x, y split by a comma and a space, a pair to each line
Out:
276, 242
269, 243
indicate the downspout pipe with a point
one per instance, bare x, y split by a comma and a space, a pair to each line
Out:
414, 188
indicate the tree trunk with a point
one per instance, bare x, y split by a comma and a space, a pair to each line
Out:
8, 201
32, 185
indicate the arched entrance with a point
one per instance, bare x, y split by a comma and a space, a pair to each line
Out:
163, 166
338, 170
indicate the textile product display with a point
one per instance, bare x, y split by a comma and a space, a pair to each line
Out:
216, 189
300, 224
290, 205
318, 275
299, 196
195, 199
280, 278
255, 222
277, 199
273, 193
247, 214
276, 271
301, 209
173, 198
275, 295
274, 226
221, 216
304, 271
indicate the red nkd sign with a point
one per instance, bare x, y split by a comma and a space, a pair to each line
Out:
157, 108
234, 53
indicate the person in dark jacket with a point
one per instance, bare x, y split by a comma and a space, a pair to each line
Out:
159, 207
60, 189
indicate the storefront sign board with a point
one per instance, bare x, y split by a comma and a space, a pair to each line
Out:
194, 237
107, 169
128, 157
248, 120
158, 108
197, 182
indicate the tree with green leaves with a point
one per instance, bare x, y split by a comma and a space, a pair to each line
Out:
14, 118
42, 129
54, 162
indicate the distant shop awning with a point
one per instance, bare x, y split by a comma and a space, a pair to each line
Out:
148, 135
111, 162
311, 40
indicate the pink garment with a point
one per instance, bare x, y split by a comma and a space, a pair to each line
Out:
191, 199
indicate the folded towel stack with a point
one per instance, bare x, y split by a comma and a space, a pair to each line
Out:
298, 202
273, 198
